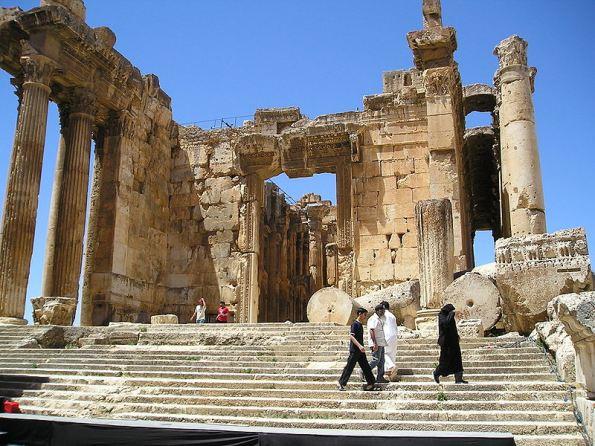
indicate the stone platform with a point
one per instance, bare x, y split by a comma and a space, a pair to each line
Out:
283, 375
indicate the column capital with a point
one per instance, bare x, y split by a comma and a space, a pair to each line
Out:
511, 51
439, 81
82, 102
37, 69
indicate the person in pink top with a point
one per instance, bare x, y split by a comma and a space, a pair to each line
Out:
222, 313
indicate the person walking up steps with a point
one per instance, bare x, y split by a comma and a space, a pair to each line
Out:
377, 341
451, 361
391, 333
357, 353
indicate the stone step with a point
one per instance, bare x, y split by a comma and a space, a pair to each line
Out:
243, 362
198, 366
114, 396
550, 440
389, 412
17, 388
555, 436
515, 427
264, 357
274, 382
316, 375
289, 350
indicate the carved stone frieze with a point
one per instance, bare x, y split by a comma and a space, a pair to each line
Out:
533, 269
439, 81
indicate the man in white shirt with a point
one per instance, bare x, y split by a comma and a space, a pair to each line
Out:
391, 333
377, 341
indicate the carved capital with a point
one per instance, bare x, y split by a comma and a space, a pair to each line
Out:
121, 124
82, 101
37, 69
439, 81
511, 51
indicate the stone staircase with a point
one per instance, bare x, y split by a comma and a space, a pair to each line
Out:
285, 375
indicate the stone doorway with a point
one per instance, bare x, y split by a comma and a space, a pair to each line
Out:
297, 240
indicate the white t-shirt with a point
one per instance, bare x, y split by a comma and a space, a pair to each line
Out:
377, 324
200, 312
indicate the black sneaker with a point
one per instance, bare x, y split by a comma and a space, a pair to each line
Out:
341, 387
436, 378
382, 381
462, 381
370, 387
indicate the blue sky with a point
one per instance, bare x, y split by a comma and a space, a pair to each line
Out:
228, 57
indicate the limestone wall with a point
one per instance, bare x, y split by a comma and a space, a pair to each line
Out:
205, 203
391, 177
127, 247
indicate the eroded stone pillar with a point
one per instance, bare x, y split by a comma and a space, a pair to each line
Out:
249, 242
22, 191
66, 231
344, 248
316, 252
522, 189
435, 249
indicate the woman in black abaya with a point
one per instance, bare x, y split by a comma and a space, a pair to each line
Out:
451, 361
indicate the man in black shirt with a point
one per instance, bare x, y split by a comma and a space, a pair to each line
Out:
357, 353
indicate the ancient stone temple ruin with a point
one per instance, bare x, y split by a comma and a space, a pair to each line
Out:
179, 212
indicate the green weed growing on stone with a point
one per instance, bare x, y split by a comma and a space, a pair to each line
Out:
441, 396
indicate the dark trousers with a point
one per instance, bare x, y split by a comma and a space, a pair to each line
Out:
357, 358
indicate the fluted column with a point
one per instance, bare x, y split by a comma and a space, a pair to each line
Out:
50, 246
522, 189
435, 244
22, 190
66, 233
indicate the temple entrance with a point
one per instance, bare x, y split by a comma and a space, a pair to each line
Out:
297, 241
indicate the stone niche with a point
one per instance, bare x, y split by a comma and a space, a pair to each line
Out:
533, 269
53, 310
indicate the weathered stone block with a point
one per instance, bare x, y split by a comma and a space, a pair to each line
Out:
403, 300
531, 270
470, 328
53, 310
163, 319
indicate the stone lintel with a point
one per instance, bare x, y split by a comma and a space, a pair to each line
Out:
277, 115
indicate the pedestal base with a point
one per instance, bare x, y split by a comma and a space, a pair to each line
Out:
426, 322
13, 321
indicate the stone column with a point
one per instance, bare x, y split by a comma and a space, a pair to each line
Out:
249, 241
67, 232
435, 247
522, 190
344, 248
22, 191
315, 215
50, 246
